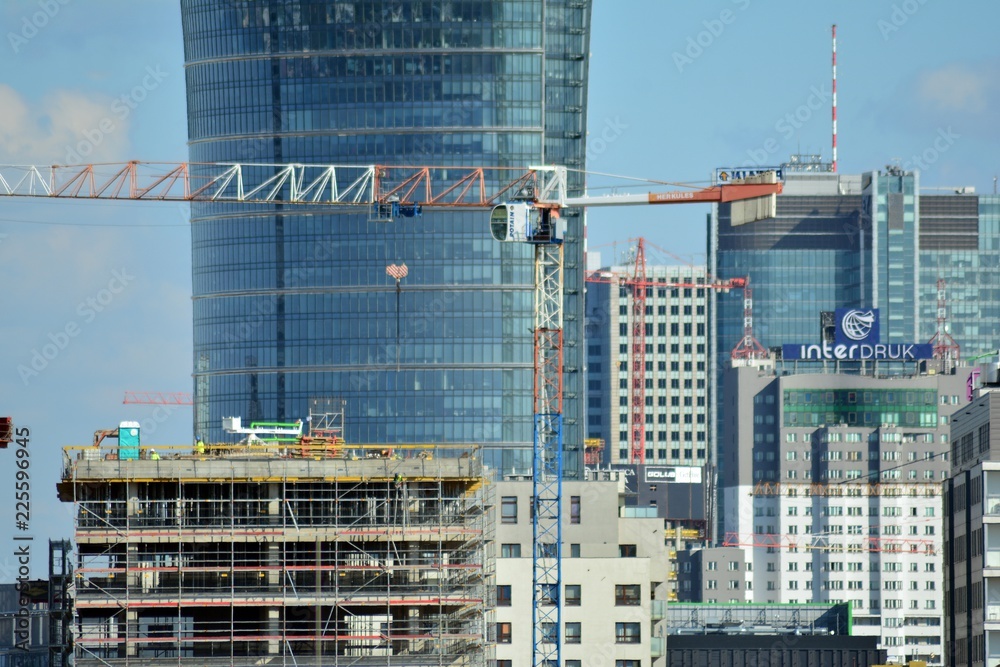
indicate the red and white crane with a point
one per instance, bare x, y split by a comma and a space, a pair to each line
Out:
637, 285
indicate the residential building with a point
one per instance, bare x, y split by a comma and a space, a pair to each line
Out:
291, 305
714, 575
676, 366
832, 483
614, 569
280, 553
29, 649
972, 535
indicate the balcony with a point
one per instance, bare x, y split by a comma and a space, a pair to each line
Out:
991, 506
992, 613
658, 610
656, 647
992, 559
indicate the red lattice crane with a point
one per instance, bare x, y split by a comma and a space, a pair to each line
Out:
637, 284
157, 398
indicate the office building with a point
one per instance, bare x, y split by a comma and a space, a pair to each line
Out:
873, 240
292, 305
832, 484
676, 366
303, 553
744, 635
972, 535
614, 573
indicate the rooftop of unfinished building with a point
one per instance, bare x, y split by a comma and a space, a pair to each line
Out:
301, 460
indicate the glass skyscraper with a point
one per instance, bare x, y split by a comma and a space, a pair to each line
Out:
868, 240
293, 304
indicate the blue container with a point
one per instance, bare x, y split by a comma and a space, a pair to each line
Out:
128, 441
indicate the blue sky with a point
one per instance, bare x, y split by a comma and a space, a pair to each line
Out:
676, 90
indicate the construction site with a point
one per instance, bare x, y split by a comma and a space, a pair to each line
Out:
279, 551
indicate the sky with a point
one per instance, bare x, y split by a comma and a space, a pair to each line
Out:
97, 297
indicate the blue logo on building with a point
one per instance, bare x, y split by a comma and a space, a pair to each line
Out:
856, 326
856, 338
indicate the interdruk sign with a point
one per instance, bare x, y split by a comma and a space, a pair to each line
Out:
856, 337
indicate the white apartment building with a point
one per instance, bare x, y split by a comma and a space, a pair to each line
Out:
832, 483
614, 571
676, 366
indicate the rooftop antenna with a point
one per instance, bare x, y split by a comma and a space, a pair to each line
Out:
834, 166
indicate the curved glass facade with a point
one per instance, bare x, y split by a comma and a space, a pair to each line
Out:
293, 304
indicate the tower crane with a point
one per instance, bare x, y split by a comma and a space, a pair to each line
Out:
158, 398
638, 284
526, 205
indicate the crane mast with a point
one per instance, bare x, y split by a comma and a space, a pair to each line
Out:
533, 196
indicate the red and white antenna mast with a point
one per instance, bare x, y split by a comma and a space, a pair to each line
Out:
834, 166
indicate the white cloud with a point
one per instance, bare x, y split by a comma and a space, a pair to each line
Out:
61, 124
955, 88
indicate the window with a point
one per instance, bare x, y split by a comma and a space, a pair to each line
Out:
628, 633
503, 633
505, 663
510, 551
503, 596
627, 595
549, 634
573, 633
572, 595
574, 550
626, 551
713, 565
574, 509
628, 663
508, 509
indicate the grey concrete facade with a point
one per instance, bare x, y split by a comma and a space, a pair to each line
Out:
832, 483
713, 575
614, 574
972, 536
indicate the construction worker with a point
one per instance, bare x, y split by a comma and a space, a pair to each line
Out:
153, 456
199, 446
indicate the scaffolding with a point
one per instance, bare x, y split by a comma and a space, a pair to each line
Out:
282, 555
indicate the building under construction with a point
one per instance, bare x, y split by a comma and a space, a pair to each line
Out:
280, 553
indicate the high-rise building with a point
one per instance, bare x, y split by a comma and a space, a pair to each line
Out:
972, 534
832, 484
873, 240
676, 366
291, 305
